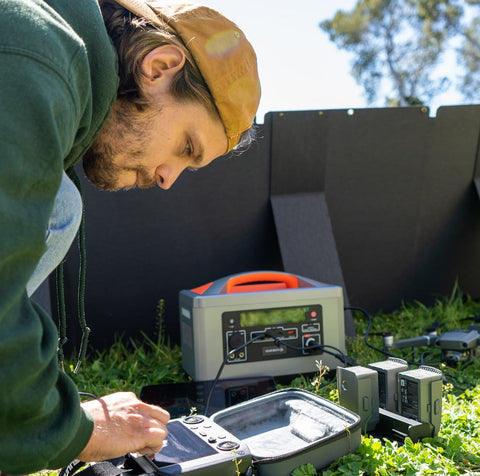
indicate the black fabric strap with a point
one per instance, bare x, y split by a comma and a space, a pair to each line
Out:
104, 468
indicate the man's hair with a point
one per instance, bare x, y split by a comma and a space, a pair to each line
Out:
134, 38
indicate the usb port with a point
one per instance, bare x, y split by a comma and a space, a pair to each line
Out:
260, 335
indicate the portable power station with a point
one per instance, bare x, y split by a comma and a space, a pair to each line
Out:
261, 323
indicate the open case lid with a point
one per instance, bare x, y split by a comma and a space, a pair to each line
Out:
286, 422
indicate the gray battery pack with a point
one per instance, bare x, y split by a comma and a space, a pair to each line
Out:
388, 371
358, 391
421, 395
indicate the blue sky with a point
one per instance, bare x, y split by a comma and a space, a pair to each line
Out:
298, 65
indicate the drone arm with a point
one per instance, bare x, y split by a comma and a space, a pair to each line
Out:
421, 341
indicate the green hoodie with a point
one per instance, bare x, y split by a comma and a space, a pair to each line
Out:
58, 81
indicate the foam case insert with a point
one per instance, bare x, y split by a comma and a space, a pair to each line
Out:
289, 428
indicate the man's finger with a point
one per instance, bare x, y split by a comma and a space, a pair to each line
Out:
157, 413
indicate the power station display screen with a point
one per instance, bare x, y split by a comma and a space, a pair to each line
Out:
268, 317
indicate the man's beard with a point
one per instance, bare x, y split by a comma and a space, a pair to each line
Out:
124, 134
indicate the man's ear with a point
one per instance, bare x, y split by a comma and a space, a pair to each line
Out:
159, 67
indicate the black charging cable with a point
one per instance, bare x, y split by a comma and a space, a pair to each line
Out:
337, 354
365, 337
344, 358
422, 357
220, 370
88, 395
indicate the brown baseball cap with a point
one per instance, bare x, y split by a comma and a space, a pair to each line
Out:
222, 53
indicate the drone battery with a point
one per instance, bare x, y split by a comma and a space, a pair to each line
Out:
421, 395
260, 323
288, 428
388, 381
358, 391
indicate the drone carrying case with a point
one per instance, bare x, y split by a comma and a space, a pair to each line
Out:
270, 435
290, 428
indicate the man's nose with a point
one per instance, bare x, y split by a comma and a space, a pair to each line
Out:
166, 175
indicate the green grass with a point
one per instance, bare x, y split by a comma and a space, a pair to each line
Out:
129, 365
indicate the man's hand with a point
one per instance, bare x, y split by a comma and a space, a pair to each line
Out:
123, 424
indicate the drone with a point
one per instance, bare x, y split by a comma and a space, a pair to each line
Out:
457, 346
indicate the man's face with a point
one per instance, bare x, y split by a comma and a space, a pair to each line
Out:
144, 149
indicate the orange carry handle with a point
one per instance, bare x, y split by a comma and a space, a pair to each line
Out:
260, 282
